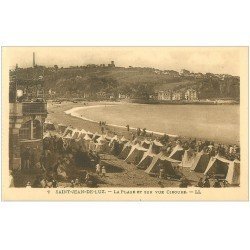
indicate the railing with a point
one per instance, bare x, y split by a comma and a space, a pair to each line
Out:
34, 108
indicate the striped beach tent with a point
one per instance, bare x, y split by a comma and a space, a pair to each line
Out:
135, 154
169, 165
222, 168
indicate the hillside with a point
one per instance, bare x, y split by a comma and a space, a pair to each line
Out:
135, 82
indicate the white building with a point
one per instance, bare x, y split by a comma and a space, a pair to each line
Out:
122, 96
177, 96
165, 95
191, 95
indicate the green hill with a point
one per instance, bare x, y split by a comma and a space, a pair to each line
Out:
136, 82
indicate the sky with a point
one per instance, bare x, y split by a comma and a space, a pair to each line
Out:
219, 60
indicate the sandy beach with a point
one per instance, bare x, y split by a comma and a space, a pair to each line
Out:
64, 113
130, 176
86, 115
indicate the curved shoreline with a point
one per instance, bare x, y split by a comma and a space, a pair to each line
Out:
73, 112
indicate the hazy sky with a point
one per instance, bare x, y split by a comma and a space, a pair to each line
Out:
196, 59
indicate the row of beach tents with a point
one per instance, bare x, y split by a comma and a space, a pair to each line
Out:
150, 156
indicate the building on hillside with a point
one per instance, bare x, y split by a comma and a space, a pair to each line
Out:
153, 96
111, 96
191, 95
184, 72
86, 95
177, 96
199, 75
122, 96
101, 94
165, 95
26, 118
111, 64
171, 73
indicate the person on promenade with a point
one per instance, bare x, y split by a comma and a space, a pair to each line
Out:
225, 183
127, 127
103, 171
43, 182
26, 158
162, 173
72, 184
206, 183
102, 129
28, 185
98, 169
11, 179
133, 136
87, 178
54, 183
144, 132
138, 131
77, 183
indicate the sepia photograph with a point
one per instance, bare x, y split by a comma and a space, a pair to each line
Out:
126, 120
124, 124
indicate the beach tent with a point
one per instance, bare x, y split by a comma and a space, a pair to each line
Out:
102, 139
67, 137
61, 128
125, 151
86, 141
188, 158
114, 138
108, 138
145, 144
67, 131
87, 138
135, 154
156, 147
75, 134
146, 159
200, 162
82, 133
101, 146
123, 140
46, 134
135, 141
95, 136
82, 143
116, 148
90, 134
49, 126
169, 165
112, 141
177, 153
224, 169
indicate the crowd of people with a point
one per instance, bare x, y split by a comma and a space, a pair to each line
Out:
229, 152
60, 161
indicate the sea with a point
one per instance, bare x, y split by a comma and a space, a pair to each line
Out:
220, 123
